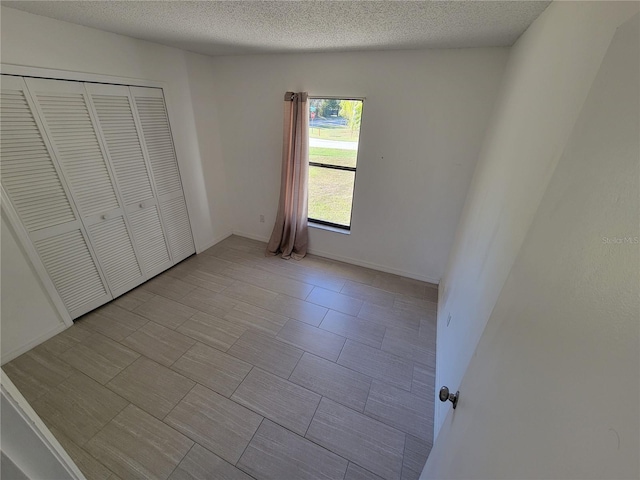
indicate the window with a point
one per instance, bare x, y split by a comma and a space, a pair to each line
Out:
334, 132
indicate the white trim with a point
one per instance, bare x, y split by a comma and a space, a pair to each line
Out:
215, 241
329, 228
38, 72
16, 352
25, 242
352, 261
374, 266
33, 421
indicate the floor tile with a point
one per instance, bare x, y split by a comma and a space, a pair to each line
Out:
210, 264
275, 453
36, 372
136, 445
400, 409
212, 368
424, 382
390, 317
408, 474
168, 287
267, 353
416, 452
201, 464
265, 348
209, 302
233, 255
312, 339
215, 422
150, 386
269, 281
332, 381
79, 407
248, 293
297, 309
295, 271
211, 330
377, 364
88, 465
402, 285
354, 328
249, 316
165, 312
209, 281
112, 321
66, 339
407, 344
277, 399
159, 343
432, 294
353, 272
99, 357
363, 440
133, 299
335, 301
355, 472
368, 293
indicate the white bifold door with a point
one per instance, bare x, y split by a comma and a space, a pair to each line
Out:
91, 173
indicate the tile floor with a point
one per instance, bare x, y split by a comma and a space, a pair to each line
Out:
233, 365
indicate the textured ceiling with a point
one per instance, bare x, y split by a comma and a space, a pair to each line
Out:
244, 27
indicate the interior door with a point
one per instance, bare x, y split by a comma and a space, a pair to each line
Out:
156, 132
70, 126
38, 194
129, 161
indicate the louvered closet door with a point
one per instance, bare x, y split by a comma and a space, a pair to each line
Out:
152, 112
31, 179
129, 161
70, 126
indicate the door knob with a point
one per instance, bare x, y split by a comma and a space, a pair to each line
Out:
452, 397
104, 217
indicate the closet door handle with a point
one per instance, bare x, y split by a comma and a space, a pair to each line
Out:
142, 205
104, 216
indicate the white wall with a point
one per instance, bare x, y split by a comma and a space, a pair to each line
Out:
549, 73
424, 118
28, 315
36, 41
553, 390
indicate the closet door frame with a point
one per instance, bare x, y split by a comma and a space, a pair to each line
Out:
12, 215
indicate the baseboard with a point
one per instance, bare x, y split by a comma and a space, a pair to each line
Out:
352, 261
374, 266
251, 236
213, 242
16, 352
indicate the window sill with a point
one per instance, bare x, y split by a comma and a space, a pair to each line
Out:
343, 231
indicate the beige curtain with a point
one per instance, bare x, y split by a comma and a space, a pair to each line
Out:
290, 236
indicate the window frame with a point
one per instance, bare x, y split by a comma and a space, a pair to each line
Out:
338, 226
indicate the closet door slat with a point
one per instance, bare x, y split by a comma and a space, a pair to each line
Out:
156, 132
178, 228
114, 248
19, 166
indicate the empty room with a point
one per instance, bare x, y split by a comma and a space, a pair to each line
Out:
291, 240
